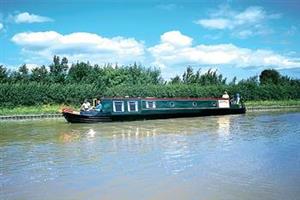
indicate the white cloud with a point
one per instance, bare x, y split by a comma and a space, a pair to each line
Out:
176, 38
168, 54
31, 66
1, 26
251, 21
175, 49
217, 23
26, 17
249, 16
79, 46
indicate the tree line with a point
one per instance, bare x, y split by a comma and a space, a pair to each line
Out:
70, 85
82, 72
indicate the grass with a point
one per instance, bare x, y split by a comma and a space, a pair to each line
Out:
42, 109
270, 103
55, 109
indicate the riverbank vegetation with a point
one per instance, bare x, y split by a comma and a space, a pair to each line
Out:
273, 103
60, 84
25, 110
56, 109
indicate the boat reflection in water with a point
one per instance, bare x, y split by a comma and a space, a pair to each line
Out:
168, 135
223, 124
140, 129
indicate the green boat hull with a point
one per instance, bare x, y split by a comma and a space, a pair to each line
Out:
128, 109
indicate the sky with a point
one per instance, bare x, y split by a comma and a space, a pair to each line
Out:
237, 37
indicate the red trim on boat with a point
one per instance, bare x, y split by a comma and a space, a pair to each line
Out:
67, 110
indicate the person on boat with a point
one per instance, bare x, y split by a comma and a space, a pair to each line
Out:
225, 95
86, 106
98, 105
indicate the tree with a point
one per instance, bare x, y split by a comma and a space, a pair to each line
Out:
233, 82
175, 80
39, 74
79, 72
253, 81
286, 80
154, 75
269, 76
188, 75
3, 74
58, 70
211, 77
23, 70
22, 74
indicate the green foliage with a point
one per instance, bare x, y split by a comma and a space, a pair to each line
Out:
38, 94
21, 75
248, 92
272, 103
39, 74
79, 72
211, 77
58, 70
188, 76
3, 74
175, 80
269, 76
38, 109
61, 85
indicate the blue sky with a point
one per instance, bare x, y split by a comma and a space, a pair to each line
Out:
238, 38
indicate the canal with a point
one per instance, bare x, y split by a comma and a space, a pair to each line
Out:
252, 156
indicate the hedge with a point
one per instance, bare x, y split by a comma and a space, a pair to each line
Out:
37, 94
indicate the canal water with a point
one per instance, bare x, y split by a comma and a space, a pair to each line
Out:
252, 156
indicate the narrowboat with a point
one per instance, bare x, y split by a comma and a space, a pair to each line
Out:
125, 109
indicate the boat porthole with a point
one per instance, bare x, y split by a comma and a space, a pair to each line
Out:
194, 104
172, 104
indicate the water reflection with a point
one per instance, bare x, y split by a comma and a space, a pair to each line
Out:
68, 137
223, 124
235, 157
177, 155
90, 133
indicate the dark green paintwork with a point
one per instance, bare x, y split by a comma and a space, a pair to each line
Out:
163, 106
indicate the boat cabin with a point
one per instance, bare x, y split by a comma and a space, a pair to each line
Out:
129, 106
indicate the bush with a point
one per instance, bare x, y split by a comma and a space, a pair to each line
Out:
32, 93
37, 94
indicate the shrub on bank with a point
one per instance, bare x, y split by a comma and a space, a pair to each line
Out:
12, 95
254, 92
38, 94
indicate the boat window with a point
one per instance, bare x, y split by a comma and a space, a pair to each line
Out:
132, 106
194, 104
172, 104
150, 104
118, 106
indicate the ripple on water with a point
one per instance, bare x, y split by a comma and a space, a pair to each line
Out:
252, 156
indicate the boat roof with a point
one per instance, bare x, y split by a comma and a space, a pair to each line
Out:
163, 99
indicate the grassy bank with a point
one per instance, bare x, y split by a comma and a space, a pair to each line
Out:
25, 110
272, 103
55, 109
